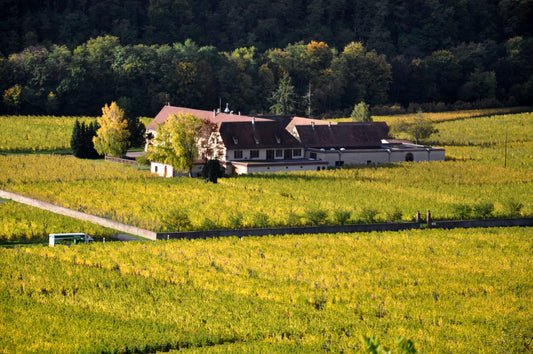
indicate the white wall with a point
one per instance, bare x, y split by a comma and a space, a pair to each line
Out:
243, 168
161, 169
377, 156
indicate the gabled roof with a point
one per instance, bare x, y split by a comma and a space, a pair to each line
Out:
342, 135
211, 116
306, 121
256, 134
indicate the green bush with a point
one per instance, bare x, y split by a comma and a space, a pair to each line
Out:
394, 215
512, 208
368, 215
176, 220
462, 211
483, 210
341, 216
317, 216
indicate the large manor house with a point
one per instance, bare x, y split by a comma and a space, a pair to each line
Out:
246, 144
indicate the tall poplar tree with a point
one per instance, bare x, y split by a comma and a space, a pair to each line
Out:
284, 99
112, 137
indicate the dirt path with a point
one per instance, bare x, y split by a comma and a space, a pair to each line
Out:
132, 230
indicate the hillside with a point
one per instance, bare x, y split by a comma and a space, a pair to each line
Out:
72, 57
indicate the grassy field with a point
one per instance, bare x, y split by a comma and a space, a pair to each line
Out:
449, 291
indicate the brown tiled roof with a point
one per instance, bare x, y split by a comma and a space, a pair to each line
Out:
306, 121
259, 135
342, 135
211, 116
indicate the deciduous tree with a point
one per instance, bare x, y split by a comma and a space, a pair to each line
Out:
112, 136
176, 142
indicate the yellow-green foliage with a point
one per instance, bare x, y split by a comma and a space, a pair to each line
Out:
134, 197
37, 133
40, 133
486, 131
475, 176
449, 116
449, 291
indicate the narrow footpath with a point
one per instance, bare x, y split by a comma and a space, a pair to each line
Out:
132, 230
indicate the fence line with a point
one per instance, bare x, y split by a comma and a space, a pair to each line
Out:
331, 229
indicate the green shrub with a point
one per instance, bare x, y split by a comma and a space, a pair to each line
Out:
341, 216
235, 220
462, 211
317, 216
368, 215
176, 220
394, 215
512, 208
260, 220
483, 210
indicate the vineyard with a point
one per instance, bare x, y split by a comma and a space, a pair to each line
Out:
39, 133
460, 291
488, 174
23, 223
367, 194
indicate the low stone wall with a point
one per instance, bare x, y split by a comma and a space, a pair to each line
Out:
119, 160
78, 215
330, 229
480, 223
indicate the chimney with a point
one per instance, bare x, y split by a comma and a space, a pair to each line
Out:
253, 123
329, 124
313, 125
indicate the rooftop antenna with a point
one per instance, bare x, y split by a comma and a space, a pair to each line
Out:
166, 99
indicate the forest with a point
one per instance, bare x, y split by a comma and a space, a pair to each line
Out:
72, 57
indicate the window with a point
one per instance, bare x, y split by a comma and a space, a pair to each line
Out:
254, 154
297, 152
409, 157
237, 154
312, 155
270, 154
279, 153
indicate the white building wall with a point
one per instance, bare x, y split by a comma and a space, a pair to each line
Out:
377, 156
161, 169
245, 168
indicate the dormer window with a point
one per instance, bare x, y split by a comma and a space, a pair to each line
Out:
278, 140
235, 140
256, 140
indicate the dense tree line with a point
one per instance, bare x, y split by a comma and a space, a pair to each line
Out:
72, 57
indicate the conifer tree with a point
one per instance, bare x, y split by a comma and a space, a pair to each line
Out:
137, 131
76, 141
81, 141
361, 113
284, 99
